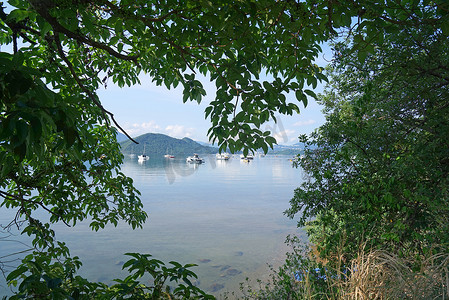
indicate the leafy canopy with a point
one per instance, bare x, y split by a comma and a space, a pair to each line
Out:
379, 173
57, 150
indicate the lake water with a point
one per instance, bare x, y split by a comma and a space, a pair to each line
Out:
225, 216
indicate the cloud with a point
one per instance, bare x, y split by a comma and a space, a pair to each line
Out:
305, 123
137, 129
283, 137
176, 131
179, 131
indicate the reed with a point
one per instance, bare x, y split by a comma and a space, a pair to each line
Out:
383, 275
372, 274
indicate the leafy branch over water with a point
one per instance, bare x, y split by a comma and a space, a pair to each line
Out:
381, 170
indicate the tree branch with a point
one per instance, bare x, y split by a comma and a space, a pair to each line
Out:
120, 12
22, 199
360, 147
87, 91
57, 27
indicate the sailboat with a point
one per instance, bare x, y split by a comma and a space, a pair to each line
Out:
222, 156
169, 155
247, 157
194, 159
143, 157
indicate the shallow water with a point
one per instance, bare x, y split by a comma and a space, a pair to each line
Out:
225, 216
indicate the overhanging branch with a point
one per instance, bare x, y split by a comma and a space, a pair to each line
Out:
87, 91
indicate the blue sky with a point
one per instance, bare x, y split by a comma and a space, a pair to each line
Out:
149, 108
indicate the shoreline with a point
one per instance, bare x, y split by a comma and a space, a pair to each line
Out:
262, 273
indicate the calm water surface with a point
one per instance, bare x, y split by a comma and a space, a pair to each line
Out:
225, 216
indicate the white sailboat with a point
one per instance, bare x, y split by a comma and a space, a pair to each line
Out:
143, 157
248, 157
194, 159
222, 156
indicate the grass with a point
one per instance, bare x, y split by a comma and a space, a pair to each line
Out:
384, 275
372, 274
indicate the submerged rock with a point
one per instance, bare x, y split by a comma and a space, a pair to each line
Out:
225, 268
216, 287
233, 272
204, 260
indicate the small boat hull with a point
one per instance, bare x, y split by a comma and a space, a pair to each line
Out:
195, 159
143, 157
222, 156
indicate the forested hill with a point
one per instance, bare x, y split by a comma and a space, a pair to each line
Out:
156, 143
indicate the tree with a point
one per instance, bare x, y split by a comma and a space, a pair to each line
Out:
379, 173
58, 150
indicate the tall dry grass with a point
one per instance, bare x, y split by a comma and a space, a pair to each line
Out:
384, 275
373, 274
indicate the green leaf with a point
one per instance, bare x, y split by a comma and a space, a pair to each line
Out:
16, 273
114, 41
270, 140
21, 131
18, 15
208, 111
361, 56
299, 95
311, 94
445, 28
265, 148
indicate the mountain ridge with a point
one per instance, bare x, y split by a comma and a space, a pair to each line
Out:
160, 144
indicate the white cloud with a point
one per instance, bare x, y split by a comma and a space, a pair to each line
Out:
137, 129
179, 131
284, 136
176, 131
305, 123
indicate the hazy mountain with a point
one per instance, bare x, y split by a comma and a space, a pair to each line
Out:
160, 144
207, 144
121, 137
294, 149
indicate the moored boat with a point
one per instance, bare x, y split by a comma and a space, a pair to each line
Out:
194, 159
222, 156
249, 156
143, 157
245, 159
169, 155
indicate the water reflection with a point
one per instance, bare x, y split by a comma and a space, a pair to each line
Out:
173, 169
226, 216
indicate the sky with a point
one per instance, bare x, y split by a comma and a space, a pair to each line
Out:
148, 108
